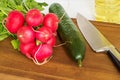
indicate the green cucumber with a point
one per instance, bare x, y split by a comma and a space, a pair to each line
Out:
69, 33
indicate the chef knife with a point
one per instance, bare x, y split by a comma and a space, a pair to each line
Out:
96, 40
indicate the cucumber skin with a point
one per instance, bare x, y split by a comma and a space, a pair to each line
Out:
69, 32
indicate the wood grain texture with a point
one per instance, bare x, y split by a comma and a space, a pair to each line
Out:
96, 66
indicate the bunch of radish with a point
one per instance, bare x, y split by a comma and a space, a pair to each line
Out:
36, 33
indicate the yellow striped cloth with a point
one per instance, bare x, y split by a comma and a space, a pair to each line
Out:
108, 10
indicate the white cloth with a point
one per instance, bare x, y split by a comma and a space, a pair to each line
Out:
72, 7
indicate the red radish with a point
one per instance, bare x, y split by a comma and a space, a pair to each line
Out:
51, 21
42, 52
34, 17
14, 21
26, 34
26, 49
43, 34
52, 41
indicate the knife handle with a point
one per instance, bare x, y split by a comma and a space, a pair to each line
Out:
115, 56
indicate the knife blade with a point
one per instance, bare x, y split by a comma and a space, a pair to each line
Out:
96, 39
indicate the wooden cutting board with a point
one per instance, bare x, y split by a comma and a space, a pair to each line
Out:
96, 66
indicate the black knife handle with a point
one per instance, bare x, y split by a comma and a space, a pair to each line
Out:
114, 59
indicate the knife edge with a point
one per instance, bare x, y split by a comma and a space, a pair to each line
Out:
94, 38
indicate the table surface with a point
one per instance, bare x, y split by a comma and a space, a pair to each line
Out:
96, 66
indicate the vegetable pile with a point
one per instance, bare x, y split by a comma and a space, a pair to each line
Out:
33, 32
